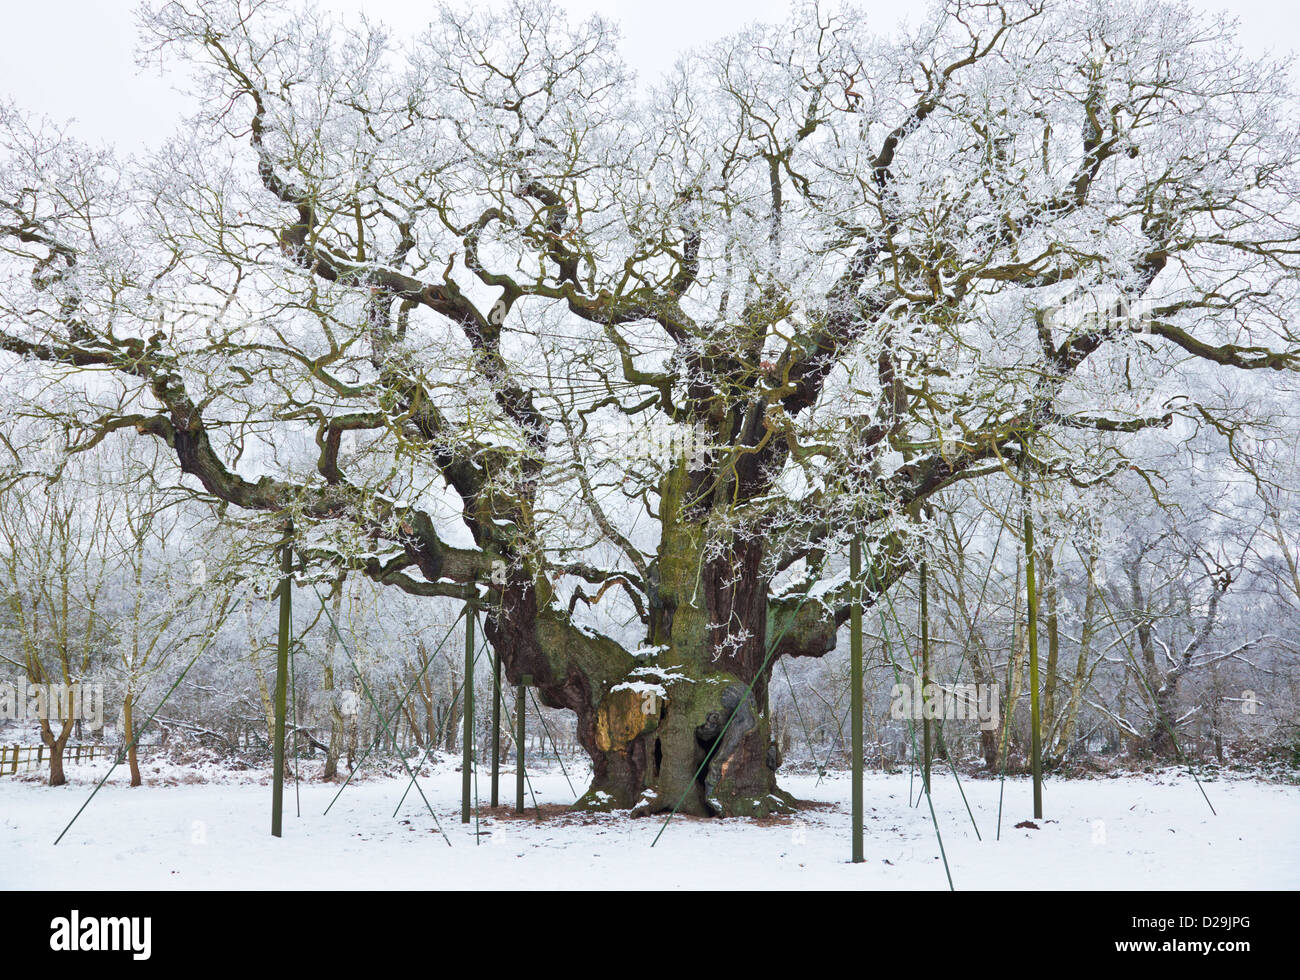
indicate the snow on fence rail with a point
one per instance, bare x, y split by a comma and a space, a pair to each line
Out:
11, 756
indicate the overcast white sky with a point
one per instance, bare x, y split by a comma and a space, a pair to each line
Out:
75, 58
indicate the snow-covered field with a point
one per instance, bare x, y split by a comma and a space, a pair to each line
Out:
1145, 832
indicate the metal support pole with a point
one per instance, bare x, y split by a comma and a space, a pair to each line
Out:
496, 728
926, 750
1035, 720
281, 677
855, 682
524, 681
467, 733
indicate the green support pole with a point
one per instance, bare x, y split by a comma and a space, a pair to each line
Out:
519, 741
855, 682
281, 677
926, 750
496, 728
1035, 721
467, 734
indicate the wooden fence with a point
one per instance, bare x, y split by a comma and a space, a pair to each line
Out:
33, 756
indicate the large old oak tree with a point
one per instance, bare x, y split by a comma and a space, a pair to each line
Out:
627, 361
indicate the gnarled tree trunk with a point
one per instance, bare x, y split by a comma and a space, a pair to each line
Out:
684, 721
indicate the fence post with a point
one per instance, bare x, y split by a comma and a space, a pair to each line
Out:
40, 753
14, 770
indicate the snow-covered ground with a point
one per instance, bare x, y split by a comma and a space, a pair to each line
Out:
1144, 832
